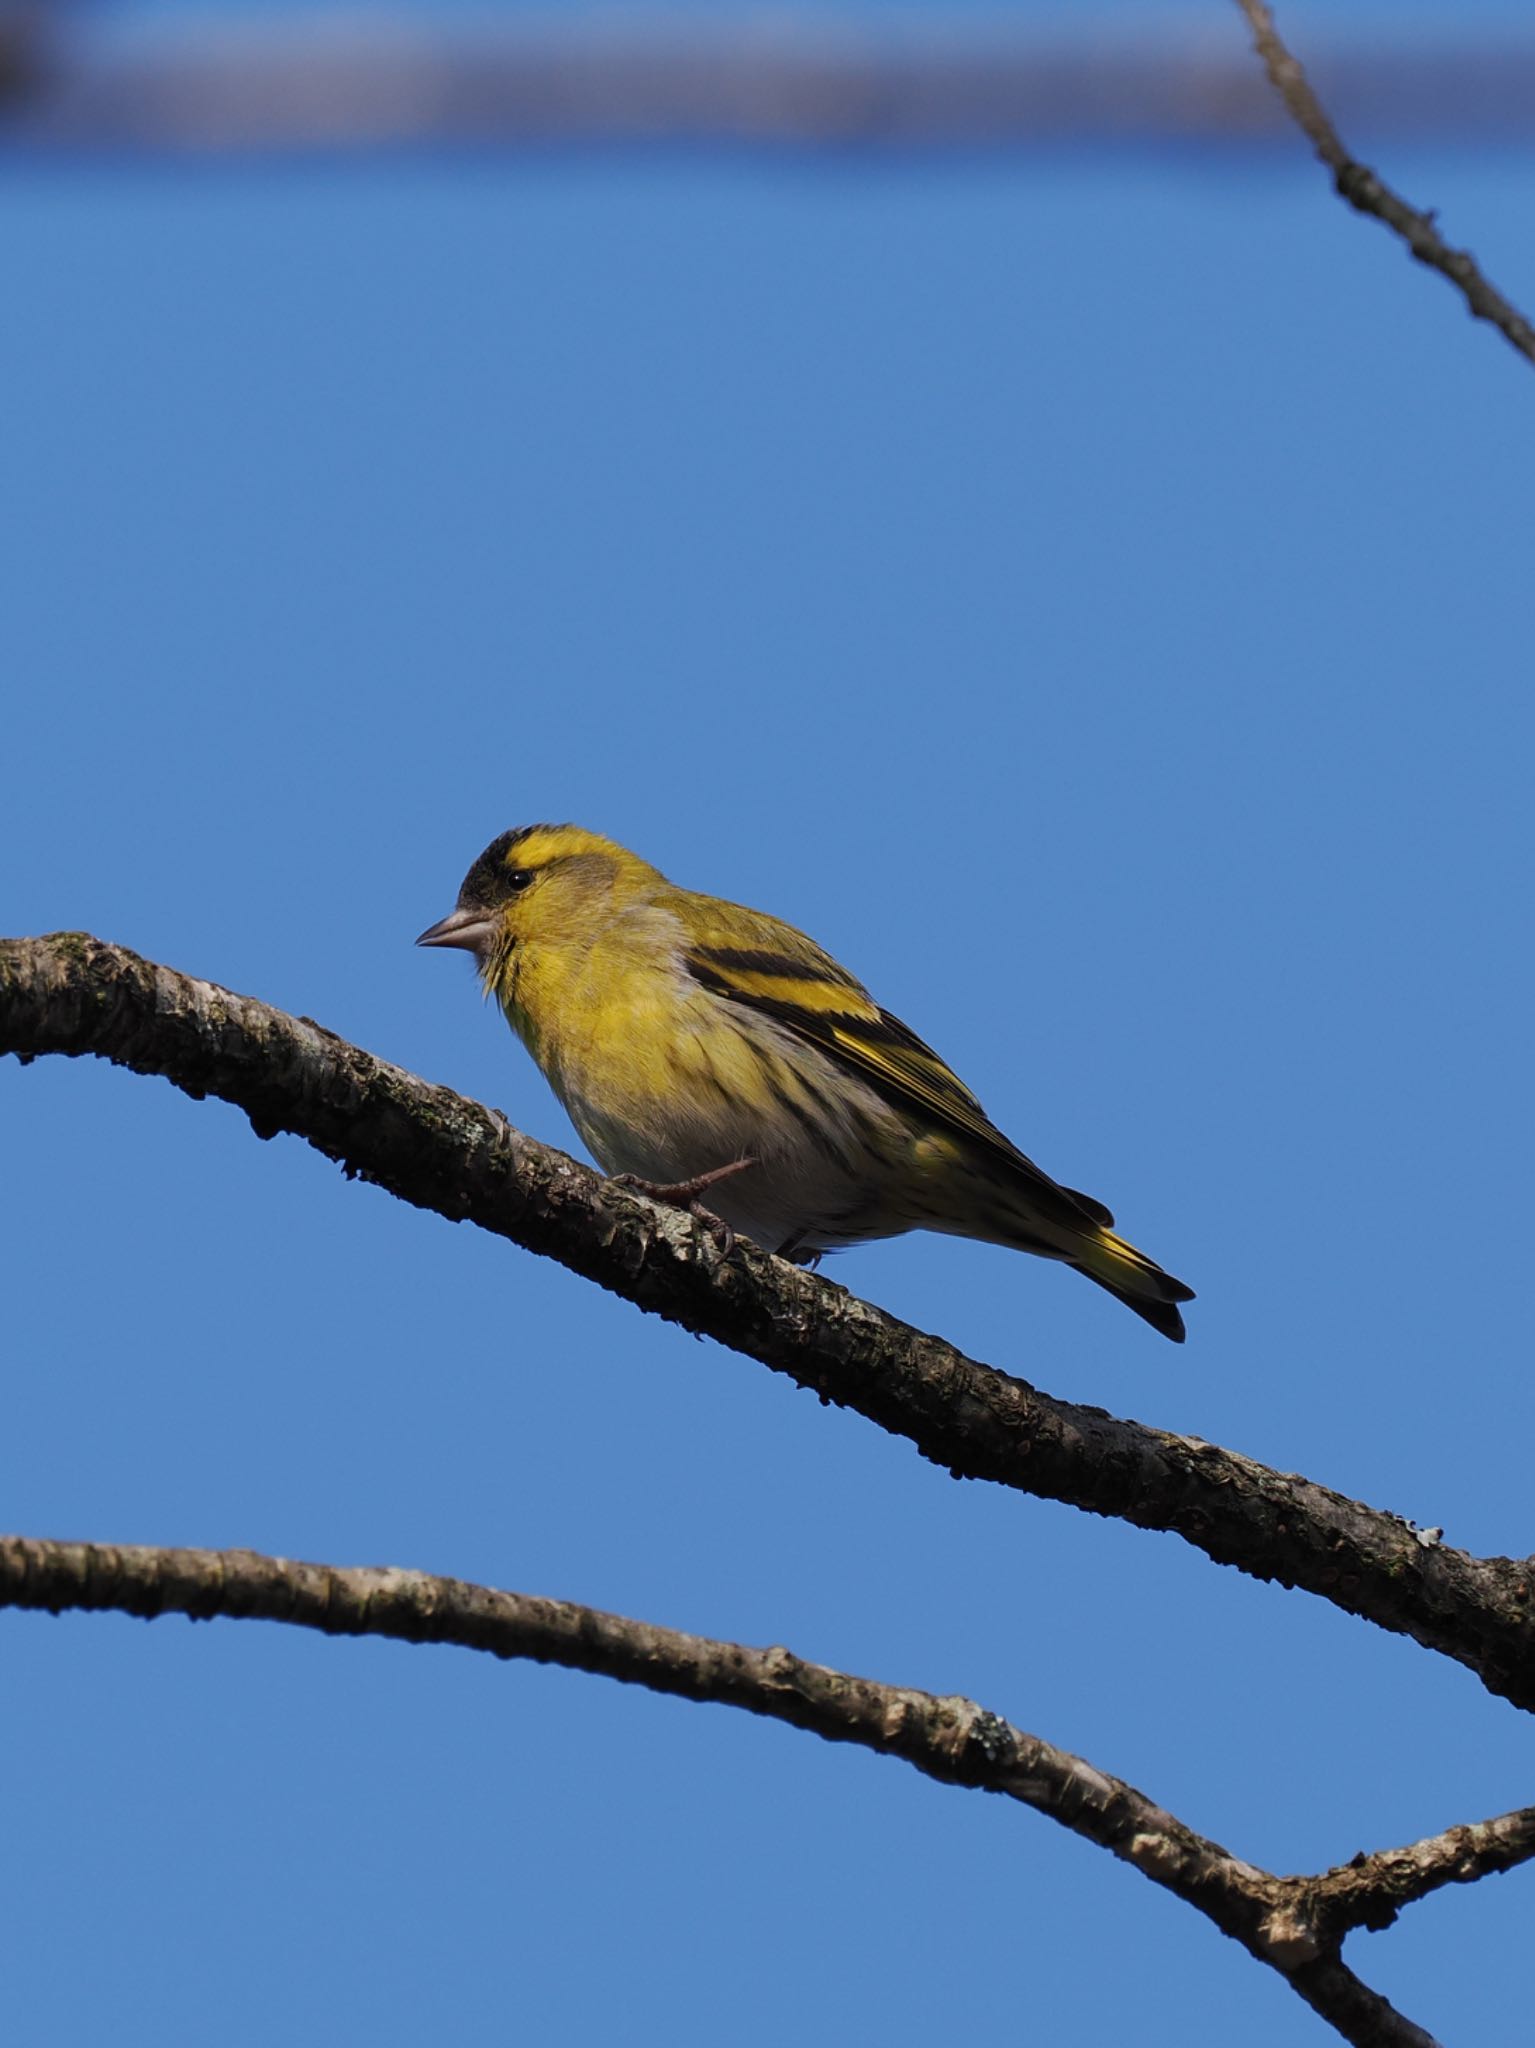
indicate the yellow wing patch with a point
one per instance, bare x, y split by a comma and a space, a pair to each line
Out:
821, 1002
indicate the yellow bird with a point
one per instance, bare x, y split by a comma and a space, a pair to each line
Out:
701, 1046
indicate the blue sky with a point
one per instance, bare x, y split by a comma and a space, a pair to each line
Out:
1091, 595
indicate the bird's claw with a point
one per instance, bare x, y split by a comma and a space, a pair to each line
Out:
714, 1227
684, 1194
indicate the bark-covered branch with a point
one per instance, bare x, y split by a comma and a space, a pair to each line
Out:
1368, 193
73, 994
1294, 1924
1369, 1891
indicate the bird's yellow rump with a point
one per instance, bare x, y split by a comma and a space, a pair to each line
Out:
699, 1044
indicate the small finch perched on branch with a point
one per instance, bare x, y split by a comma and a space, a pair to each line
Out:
700, 1047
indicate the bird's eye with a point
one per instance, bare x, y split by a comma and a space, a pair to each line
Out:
518, 879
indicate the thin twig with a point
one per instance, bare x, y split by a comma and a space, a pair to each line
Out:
1368, 193
72, 994
945, 1737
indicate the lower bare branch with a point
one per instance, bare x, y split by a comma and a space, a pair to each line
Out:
1370, 194
72, 994
945, 1737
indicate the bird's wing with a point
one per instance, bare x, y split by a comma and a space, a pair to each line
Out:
791, 980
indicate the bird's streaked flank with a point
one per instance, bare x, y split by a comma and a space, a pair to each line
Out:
700, 1046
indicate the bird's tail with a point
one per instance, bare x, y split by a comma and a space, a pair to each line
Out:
1132, 1278
1033, 1213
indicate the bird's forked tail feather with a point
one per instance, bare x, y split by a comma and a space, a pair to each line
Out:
1132, 1278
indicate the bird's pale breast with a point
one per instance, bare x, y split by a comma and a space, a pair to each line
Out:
691, 1082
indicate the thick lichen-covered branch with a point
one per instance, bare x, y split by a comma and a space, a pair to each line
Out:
1368, 193
73, 994
1281, 1921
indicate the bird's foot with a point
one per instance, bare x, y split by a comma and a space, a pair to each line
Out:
684, 1194
714, 1227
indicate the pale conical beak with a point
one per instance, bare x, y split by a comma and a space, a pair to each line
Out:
470, 929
